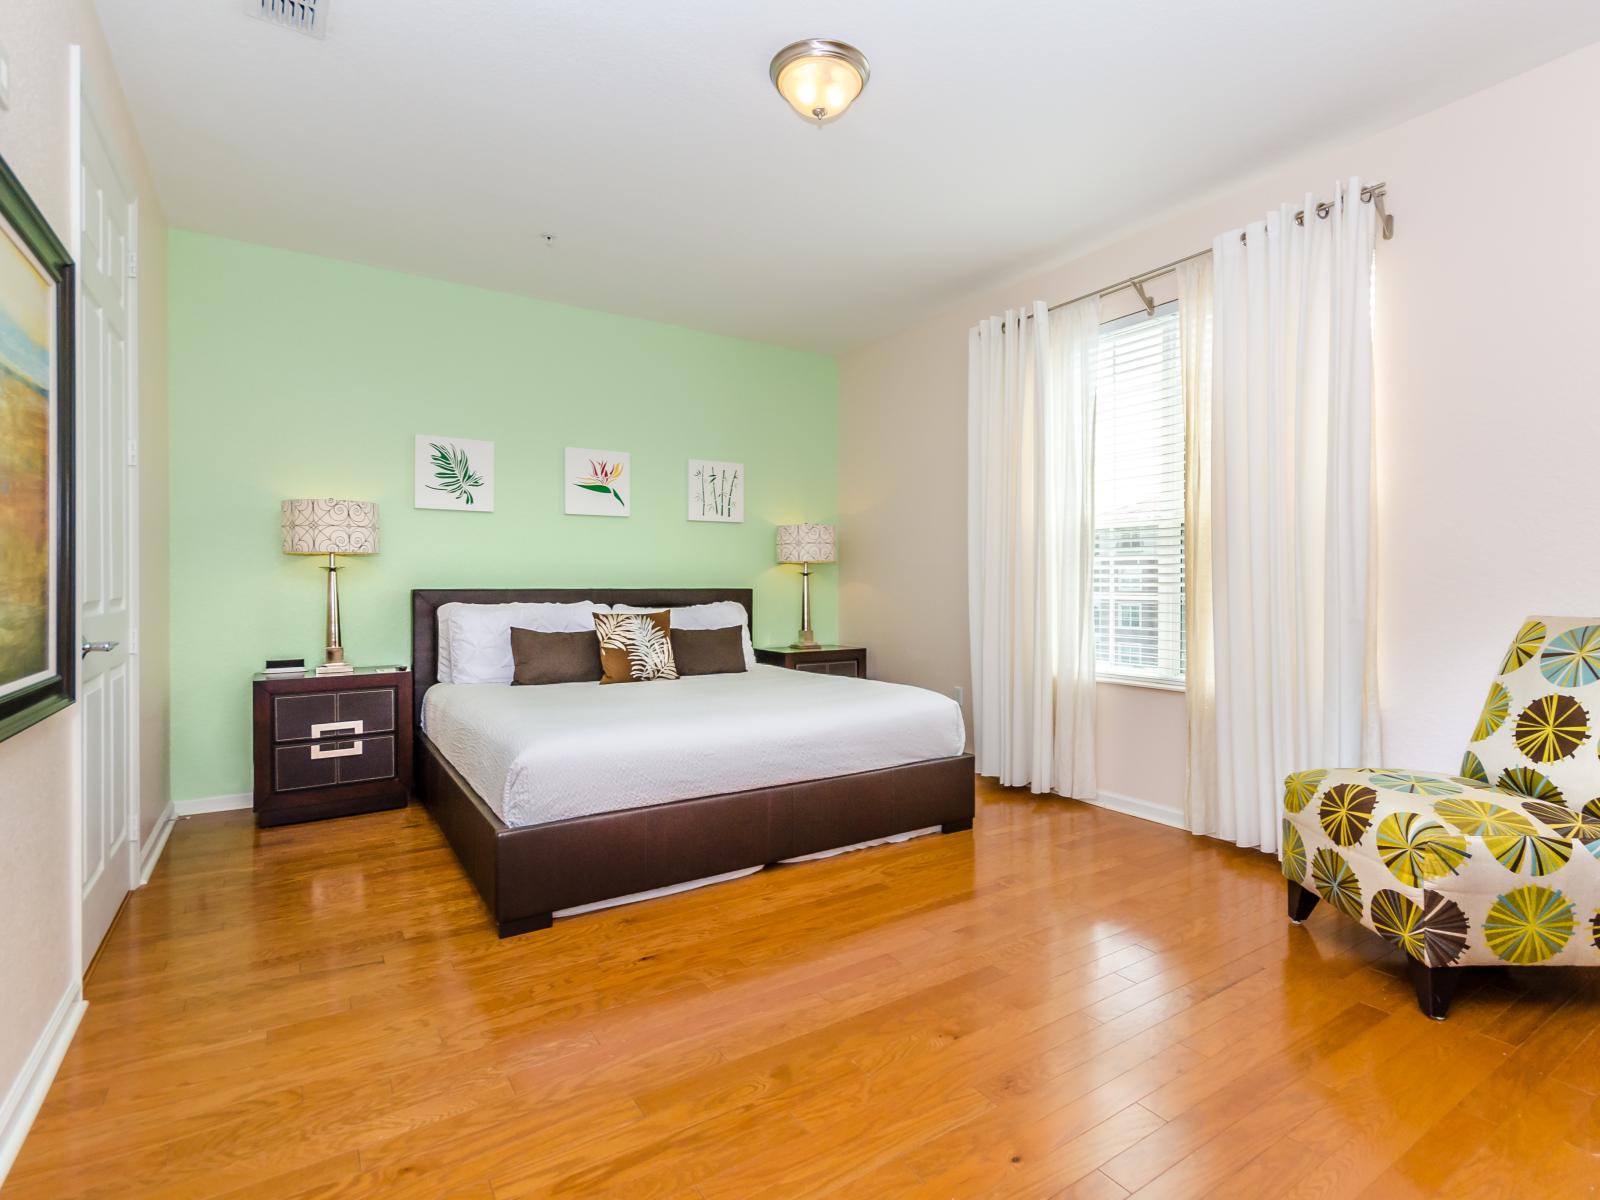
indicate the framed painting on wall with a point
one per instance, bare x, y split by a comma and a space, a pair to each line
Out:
455, 473
597, 483
716, 490
37, 608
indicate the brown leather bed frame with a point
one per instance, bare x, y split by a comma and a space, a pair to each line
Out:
526, 874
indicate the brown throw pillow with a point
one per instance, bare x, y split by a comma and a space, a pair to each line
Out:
554, 657
708, 651
634, 647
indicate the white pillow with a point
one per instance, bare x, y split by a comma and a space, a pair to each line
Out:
475, 639
724, 614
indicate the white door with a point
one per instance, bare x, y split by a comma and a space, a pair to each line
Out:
106, 532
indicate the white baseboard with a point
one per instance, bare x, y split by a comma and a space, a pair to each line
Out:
1144, 809
150, 852
27, 1091
211, 804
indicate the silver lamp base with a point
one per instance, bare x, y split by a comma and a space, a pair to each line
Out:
807, 640
334, 651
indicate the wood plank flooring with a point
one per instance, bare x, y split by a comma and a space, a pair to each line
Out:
1064, 1003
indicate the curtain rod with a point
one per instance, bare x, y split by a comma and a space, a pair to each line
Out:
1373, 193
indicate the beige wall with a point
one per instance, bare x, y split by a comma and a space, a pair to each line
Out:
1489, 397
39, 768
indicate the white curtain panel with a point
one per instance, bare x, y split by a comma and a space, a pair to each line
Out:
1290, 508
1031, 546
1195, 282
1068, 547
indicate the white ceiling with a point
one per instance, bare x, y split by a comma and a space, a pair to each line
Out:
443, 138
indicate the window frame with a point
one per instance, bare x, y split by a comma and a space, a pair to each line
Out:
1106, 673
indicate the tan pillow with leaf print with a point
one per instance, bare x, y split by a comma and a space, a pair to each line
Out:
634, 647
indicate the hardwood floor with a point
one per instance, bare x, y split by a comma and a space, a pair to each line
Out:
1064, 1003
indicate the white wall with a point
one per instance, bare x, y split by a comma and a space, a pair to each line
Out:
39, 872
1489, 400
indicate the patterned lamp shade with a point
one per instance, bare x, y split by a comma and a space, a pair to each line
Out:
806, 544
330, 527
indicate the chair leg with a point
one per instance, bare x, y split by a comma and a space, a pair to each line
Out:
1435, 986
1301, 902
520, 925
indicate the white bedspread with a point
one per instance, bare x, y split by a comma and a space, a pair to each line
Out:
546, 753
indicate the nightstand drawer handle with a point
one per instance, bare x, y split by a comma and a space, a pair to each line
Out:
350, 751
328, 727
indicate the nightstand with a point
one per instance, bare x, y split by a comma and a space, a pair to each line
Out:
821, 660
331, 745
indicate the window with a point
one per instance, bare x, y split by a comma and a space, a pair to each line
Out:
1139, 493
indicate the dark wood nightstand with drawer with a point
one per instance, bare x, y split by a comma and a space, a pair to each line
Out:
331, 745
820, 660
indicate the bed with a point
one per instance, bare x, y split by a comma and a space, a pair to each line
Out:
566, 796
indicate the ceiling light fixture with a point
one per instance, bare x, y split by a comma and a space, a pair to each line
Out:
820, 79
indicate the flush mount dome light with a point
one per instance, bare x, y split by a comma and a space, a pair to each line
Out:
820, 79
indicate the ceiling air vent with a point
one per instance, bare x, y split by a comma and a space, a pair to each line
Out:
302, 16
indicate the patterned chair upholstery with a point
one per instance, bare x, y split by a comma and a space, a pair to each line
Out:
1497, 865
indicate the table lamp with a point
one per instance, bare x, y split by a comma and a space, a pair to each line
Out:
331, 527
806, 544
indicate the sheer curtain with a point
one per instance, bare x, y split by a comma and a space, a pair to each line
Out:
1030, 413
1289, 511
1200, 685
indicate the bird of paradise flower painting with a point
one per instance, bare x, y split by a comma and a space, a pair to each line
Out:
25, 477
598, 483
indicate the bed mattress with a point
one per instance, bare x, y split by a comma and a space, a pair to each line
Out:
540, 754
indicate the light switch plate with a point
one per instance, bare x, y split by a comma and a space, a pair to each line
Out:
5, 78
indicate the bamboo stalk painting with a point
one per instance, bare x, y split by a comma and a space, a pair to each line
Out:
716, 490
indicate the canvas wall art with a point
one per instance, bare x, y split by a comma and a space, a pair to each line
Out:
716, 490
36, 600
455, 473
597, 483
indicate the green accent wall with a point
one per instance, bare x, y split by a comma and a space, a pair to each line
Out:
297, 376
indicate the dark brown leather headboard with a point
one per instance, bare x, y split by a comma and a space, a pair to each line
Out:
425, 604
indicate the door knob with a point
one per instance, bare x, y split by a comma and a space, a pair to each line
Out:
103, 647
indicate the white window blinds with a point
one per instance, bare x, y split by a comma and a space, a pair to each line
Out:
1139, 489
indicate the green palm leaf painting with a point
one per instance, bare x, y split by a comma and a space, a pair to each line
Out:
453, 472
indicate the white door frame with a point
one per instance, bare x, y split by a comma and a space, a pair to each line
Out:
86, 109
